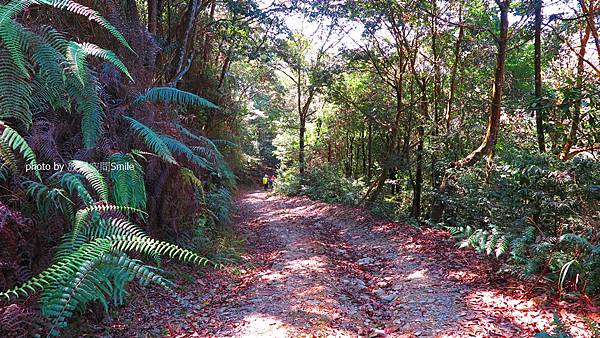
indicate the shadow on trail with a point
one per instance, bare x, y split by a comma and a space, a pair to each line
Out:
315, 269
334, 270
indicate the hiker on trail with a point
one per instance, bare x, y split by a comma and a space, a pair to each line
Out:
271, 181
265, 182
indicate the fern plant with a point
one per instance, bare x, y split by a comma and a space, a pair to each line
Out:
43, 68
174, 95
166, 147
14, 7
490, 242
92, 264
10, 142
152, 139
203, 158
77, 56
127, 179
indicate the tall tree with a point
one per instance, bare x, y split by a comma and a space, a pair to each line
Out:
488, 144
571, 138
455, 67
539, 120
308, 70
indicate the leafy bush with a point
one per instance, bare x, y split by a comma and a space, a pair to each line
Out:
214, 240
322, 183
288, 181
540, 212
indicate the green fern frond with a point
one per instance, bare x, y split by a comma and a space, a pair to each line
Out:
82, 216
61, 303
74, 184
55, 39
88, 104
13, 40
149, 246
491, 241
15, 101
174, 95
502, 247
11, 9
220, 201
175, 146
93, 176
191, 179
48, 85
576, 240
100, 278
47, 198
128, 183
151, 139
17, 143
59, 270
116, 227
14, 7
77, 55
202, 139
99, 227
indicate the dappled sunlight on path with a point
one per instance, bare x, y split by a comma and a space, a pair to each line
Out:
314, 269
337, 271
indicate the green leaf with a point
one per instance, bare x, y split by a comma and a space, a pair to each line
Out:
174, 95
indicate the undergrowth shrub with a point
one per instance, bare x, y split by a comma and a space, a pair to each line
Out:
539, 212
216, 240
324, 183
211, 233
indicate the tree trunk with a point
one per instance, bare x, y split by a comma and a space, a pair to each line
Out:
206, 48
488, 143
225, 68
392, 143
301, 150
351, 166
193, 9
591, 12
418, 186
493, 126
363, 151
302, 124
454, 71
169, 34
370, 152
539, 119
356, 156
153, 16
436, 96
131, 13
572, 136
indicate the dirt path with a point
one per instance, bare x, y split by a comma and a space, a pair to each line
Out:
324, 270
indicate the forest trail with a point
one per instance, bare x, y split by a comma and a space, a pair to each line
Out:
315, 269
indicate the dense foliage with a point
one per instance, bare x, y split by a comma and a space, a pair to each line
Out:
109, 155
479, 117
126, 125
